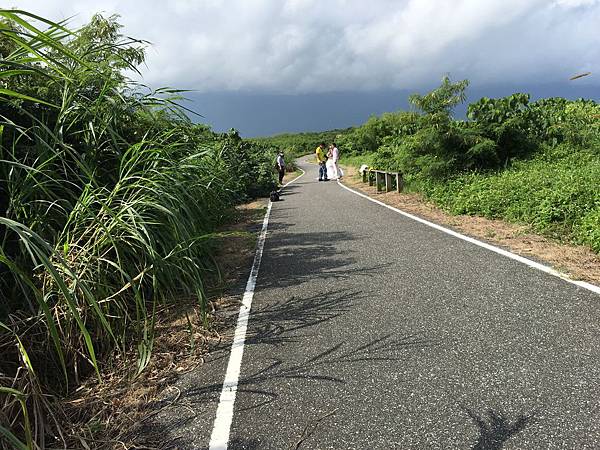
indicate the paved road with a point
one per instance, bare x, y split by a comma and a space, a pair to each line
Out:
373, 331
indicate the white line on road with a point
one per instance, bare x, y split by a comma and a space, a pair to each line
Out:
530, 263
219, 438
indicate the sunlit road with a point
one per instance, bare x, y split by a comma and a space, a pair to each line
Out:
372, 331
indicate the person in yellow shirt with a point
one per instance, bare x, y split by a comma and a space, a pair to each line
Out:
322, 160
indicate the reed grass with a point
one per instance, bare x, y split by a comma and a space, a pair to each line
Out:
110, 197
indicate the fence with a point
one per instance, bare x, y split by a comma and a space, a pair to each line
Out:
379, 178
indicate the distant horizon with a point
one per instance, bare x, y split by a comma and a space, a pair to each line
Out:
264, 115
279, 66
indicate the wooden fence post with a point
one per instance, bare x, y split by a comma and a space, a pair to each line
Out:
377, 179
388, 182
399, 182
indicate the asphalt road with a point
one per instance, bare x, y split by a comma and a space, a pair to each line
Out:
372, 331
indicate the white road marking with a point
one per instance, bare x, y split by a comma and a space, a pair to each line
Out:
219, 438
530, 263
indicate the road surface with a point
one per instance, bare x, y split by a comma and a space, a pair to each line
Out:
370, 330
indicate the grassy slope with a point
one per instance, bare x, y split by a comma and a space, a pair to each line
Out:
557, 193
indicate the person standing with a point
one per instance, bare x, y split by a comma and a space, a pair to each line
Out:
329, 164
280, 167
322, 160
335, 156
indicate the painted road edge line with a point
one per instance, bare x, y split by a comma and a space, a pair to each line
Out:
493, 248
219, 438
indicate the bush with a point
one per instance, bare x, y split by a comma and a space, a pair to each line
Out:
536, 163
553, 196
377, 131
587, 229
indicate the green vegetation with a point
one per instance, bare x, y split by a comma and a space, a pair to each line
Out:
109, 198
529, 162
556, 192
300, 144
358, 160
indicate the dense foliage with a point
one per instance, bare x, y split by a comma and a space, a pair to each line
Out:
532, 162
295, 145
109, 199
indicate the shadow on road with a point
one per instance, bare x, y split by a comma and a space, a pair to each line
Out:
322, 367
294, 258
279, 322
289, 190
290, 260
495, 428
274, 324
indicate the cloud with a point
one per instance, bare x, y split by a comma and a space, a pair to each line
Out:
296, 46
576, 3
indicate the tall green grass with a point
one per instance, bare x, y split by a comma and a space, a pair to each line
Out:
109, 200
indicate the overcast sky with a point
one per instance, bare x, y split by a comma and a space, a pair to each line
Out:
232, 51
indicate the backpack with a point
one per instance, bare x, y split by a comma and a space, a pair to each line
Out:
274, 196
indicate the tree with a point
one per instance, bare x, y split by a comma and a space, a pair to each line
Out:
441, 100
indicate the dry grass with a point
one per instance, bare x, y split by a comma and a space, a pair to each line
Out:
577, 262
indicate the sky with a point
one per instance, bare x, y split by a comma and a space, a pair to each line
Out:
269, 66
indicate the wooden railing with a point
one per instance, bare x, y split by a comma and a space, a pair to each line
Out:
380, 178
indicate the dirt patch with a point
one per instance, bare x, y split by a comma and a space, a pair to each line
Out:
575, 261
119, 405
289, 176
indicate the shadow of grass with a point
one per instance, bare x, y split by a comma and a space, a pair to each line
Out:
495, 428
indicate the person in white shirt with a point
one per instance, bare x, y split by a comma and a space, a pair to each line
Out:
280, 167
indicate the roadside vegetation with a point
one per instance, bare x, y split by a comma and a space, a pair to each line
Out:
109, 201
536, 163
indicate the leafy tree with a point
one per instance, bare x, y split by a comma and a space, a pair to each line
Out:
507, 122
433, 145
442, 100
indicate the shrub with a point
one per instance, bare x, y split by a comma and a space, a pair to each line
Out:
588, 229
553, 196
